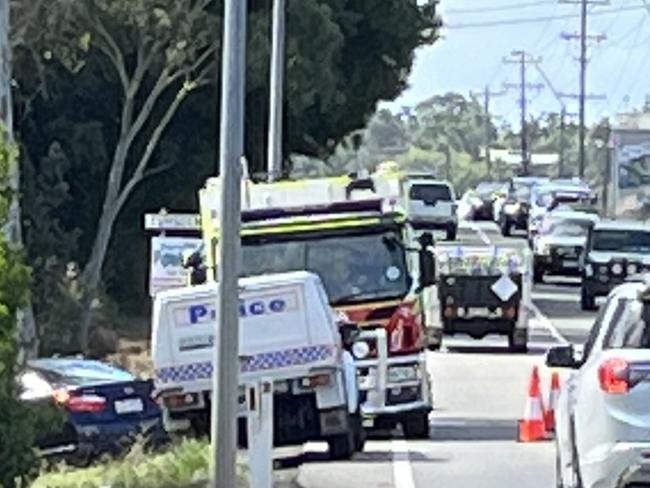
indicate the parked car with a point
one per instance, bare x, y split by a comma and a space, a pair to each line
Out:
559, 243
614, 251
602, 422
105, 408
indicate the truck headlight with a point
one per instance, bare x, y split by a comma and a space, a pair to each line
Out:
617, 269
511, 208
401, 374
543, 249
632, 269
360, 350
589, 270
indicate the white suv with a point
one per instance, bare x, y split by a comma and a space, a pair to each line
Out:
431, 204
603, 412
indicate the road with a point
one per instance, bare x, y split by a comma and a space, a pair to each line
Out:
479, 393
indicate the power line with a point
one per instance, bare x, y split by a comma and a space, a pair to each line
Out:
535, 20
499, 8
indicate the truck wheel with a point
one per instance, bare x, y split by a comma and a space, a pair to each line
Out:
506, 229
587, 301
342, 446
517, 345
416, 426
451, 233
538, 274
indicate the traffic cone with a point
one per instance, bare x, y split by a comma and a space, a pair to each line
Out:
554, 393
531, 428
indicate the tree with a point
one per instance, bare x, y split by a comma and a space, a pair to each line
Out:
162, 51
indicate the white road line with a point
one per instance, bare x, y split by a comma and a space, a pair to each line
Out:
402, 470
548, 324
484, 237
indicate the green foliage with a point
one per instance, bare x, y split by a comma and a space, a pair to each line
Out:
17, 425
184, 465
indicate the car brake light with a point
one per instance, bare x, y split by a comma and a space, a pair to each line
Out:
614, 376
79, 403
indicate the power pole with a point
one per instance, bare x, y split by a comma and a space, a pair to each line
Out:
523, 59
276, 90
583, 36
225, 375
487, 126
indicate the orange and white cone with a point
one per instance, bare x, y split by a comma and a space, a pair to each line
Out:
532, 428
554, 393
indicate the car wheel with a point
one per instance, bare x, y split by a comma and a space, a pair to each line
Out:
343, 446
506, 229
417, 426
538, 274
517, 346
451, 233
587, 301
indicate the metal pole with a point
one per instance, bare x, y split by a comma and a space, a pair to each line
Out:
583, 83
226, 363
524, 128
608, 169
277, 91
560, 168
488, 155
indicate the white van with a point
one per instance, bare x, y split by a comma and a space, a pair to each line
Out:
431, 204
288, 333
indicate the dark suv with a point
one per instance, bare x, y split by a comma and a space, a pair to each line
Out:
615, 250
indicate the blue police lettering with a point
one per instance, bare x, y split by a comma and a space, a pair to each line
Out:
201, 313
261, 307
277, 305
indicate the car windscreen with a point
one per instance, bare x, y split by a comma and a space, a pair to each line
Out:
520, 192
86, 376
570, 228
621, 240
352, 268
430, 193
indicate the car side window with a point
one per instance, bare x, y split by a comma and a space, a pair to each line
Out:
628, 329
602, 319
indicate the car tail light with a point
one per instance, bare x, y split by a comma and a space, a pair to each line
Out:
614, 375
80, 402
404, 331
321, 379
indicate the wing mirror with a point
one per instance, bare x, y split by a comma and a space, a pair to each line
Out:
561, 357
349, 334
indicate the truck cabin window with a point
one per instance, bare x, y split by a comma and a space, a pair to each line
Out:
612, 240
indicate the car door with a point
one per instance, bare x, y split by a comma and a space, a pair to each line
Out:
587, 408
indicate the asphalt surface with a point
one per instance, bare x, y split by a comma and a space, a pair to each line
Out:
479, 393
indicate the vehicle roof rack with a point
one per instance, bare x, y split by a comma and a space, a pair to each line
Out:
374, 206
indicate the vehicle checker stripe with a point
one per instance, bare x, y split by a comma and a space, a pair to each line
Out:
257, 362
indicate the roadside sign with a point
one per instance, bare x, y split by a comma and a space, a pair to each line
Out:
166, 263
172, 222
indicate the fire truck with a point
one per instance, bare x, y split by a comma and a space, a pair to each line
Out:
356, 243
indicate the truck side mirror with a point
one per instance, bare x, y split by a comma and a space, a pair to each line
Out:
349, 334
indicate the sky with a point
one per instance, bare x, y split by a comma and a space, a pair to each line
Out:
478, 34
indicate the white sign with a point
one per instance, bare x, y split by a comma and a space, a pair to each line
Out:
166, 264
163, 222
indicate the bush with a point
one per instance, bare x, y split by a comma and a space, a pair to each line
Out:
183, 465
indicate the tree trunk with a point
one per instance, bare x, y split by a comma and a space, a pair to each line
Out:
91, 276
26, 325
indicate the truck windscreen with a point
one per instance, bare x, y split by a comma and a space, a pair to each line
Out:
621, 240
352, 268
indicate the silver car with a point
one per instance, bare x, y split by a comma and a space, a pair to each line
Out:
603, 411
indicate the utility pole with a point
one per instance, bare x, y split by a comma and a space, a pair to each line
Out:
276, 90
487, 126
523, 59
225, 375
583, 37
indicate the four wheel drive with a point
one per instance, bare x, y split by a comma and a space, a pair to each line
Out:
288, 334
431, 204
601, 419
484, 290
614, 251
560, 243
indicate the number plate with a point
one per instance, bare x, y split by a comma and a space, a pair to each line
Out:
570, 264
130, 405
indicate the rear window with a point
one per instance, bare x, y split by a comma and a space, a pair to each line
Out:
629, 330
430, 193
634, 241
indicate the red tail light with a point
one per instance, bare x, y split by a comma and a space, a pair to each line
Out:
79, 403
404, 331
614, 376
